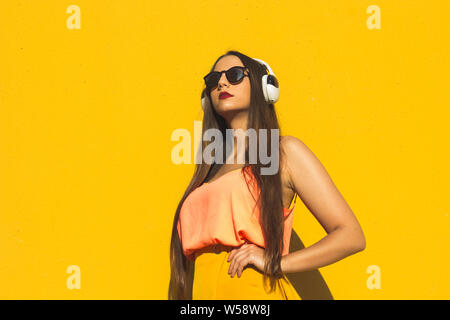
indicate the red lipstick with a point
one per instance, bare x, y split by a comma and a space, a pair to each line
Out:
224, 95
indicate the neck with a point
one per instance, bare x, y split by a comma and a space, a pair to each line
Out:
238, 120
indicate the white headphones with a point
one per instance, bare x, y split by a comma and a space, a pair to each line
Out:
270, 87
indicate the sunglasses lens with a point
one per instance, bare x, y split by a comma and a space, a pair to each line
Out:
212, 79
235, 74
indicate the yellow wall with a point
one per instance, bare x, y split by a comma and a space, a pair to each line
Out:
86, 115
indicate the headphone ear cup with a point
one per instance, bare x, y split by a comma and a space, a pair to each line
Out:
264, 87
272, 89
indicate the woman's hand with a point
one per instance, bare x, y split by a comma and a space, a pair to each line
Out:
248, 253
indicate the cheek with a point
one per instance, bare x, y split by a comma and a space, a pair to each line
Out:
215, 97
246, 93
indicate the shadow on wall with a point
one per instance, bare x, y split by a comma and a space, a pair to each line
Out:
309, 285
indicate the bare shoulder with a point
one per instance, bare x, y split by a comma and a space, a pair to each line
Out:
298, 157
293, 147
289, 140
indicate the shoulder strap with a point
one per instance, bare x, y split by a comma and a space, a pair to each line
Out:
294, 201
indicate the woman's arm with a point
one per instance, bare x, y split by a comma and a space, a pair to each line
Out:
309, 179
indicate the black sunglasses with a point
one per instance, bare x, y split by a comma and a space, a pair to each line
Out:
234, 75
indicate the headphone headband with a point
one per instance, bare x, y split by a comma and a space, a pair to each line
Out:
265, 64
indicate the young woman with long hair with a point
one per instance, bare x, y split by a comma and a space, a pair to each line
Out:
232, 227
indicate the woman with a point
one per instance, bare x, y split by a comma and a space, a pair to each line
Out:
234, 218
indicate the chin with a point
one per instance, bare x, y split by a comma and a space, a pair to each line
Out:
227, 109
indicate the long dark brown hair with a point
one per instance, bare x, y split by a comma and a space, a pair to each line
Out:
270, 201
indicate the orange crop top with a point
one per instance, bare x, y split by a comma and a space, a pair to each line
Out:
221, 212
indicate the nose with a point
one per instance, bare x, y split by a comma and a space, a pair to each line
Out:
223, 81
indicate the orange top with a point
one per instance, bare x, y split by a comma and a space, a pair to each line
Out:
221, 212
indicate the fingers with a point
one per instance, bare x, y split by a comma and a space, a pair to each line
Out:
235, 262
234, 251
239, 259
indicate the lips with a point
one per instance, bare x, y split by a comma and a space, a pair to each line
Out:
224, 95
